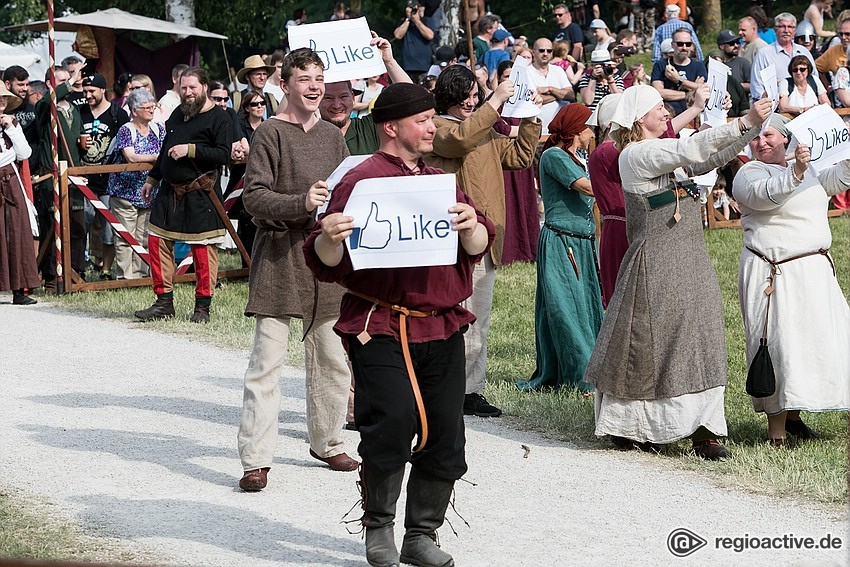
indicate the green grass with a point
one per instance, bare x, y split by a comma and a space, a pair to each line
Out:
30, 529
816, 471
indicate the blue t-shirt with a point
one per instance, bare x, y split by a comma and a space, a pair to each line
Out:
493, 57
688, 72
416, 51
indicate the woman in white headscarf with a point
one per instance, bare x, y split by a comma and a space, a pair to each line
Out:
655, 365
786, 244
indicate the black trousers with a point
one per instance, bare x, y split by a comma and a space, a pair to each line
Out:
385, 410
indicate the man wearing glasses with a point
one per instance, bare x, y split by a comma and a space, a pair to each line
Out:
551, 81
836, 56
779, 54
256, 74
673, 78
568, 30
730, 48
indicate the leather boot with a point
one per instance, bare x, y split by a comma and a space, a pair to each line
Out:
162, 308
427, 499
21, 297
380, 493
201, 314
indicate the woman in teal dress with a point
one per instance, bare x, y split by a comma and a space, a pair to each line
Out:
568, 307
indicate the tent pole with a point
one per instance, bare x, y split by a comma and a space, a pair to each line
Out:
227, 64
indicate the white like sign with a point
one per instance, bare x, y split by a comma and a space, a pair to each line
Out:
402, 222
714, 113
771, 87
347, 165
343, 46
823, 130
520, 105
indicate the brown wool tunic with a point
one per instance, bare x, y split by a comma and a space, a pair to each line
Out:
283, 163
478, 154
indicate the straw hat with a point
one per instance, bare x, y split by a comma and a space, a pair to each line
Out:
12, 101
254, 63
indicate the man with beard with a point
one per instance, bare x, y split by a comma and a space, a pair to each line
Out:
292, 154
196, 144
101, 121
338, 102
17, 81
673, 78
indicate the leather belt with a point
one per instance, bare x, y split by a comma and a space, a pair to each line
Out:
561, 232
403, 314
776, 271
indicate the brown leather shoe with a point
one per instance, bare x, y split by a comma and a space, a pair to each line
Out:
341, 462
711, 450
255, 480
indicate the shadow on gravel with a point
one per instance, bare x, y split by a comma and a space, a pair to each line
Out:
183, 407
223, 527
169, 451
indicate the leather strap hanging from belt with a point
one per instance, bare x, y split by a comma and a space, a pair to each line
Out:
775, 270
403, 314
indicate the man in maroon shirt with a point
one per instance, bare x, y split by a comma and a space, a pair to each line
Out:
385, 313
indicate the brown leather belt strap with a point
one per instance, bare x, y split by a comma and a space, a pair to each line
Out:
403, 314
776, 271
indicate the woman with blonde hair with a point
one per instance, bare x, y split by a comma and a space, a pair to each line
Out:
655, 365
141, 81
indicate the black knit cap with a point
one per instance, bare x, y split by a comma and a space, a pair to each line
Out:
401, 100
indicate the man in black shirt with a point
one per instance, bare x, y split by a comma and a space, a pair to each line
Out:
101, 121
197, 143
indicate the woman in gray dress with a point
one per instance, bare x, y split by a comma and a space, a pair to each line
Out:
659, 374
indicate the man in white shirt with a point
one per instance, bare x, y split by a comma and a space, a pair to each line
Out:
778, 54
551, 81
171, 99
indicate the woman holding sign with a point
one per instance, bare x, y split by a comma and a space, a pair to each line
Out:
786, 243
655, 366
568, 307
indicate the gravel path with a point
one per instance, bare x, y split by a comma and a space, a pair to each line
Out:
134, 437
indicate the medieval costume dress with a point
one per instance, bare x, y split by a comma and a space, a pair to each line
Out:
659, 364
18, 269
568, 306
808, 332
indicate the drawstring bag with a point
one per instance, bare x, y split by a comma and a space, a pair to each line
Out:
761, 380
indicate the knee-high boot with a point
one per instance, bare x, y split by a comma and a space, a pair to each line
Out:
380, 494
427, 499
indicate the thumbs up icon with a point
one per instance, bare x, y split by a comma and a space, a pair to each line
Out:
323, 55
374, 235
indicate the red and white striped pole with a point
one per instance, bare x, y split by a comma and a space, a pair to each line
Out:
54, 147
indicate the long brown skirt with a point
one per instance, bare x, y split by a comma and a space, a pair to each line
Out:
18, 269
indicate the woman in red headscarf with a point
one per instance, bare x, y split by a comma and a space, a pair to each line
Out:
568, 307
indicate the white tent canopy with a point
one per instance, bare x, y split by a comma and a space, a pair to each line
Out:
11, 55
116, 19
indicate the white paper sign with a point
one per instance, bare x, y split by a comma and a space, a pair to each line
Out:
402, 222
520, 105
823, 130
343, 46
347, 165
714, 114
771, 87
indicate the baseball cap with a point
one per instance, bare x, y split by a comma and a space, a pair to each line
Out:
598, 24
667, 46
500, 35
727, 36
95, 80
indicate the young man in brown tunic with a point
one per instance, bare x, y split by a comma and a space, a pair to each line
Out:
388, 311
291, 154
